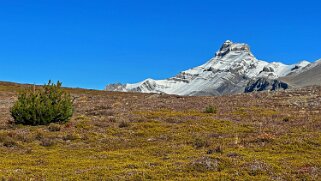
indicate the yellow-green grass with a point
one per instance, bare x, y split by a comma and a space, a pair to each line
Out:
117, 136
158, 150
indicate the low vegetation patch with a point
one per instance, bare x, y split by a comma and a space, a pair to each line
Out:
210, 109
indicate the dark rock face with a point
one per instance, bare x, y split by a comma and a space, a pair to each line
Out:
295, 68
263, 84
268, 69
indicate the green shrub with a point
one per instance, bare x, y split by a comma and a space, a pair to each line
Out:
210, 109
44, 105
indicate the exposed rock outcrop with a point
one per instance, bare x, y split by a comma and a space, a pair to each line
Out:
264, 84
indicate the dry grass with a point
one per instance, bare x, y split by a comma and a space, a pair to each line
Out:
129, 136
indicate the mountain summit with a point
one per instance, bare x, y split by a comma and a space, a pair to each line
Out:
229, 46
231, 70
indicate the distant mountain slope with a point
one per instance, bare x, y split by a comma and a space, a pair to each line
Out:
228, 72
310, 75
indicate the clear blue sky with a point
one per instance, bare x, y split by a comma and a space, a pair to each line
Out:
90, 43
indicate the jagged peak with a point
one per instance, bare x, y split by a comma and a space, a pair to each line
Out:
227, 43
228, 46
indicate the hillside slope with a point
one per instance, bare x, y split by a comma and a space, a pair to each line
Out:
134, 136
311, 75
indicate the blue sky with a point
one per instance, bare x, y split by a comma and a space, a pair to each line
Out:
90, 43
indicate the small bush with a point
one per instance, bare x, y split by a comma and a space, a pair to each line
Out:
123, 124
41, 106
210, 109
200, 143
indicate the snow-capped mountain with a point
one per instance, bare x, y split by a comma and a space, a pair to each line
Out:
229, 71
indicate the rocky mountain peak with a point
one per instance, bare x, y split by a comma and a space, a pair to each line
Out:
232, 70
228, 46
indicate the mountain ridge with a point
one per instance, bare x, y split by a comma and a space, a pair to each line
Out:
309, 75
228, 72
